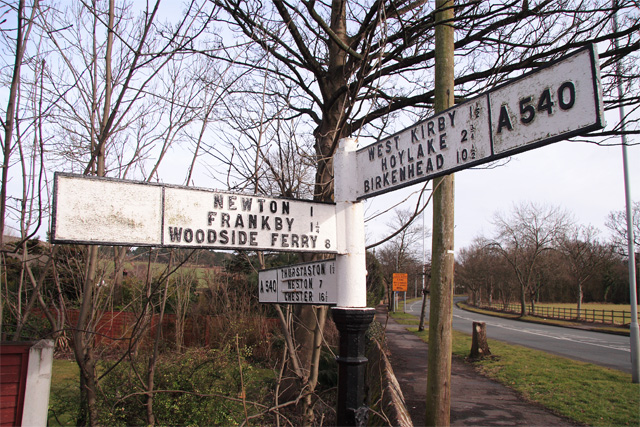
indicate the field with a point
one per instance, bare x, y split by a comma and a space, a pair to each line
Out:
588, 305
616, 314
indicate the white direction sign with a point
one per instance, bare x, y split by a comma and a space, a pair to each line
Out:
308, 283
554, 103
91, 210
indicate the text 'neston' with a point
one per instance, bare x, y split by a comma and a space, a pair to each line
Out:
308, 283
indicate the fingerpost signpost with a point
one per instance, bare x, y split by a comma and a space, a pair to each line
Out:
551, 104
90, 210
554, 103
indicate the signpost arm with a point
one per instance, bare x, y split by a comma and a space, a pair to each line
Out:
351, 315
440, 315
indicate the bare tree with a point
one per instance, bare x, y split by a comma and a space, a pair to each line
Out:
185, 282
477, 269
12, 114
617, 224
403, 252
106, 71
22, 141
522, 238
584, 254
407, 243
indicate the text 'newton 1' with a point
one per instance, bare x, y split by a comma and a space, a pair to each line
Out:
117, 212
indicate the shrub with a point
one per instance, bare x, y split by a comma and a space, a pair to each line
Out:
199, 387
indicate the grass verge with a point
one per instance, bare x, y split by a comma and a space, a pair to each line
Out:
583, 392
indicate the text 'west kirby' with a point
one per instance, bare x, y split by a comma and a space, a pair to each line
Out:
422, 157
451, 140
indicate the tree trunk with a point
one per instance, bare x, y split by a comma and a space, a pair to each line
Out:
490, 296
88, 414
151, 371
83, 341
10, 113
118, 274
308, 320
309, 417
533, 307
580, 297
479, 345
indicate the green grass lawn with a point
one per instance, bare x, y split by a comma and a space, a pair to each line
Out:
584, 392
65, 394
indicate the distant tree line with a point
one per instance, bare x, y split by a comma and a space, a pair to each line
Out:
540, 254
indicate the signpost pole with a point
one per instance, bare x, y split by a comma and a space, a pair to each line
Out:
634, 335
351, 315
438, 399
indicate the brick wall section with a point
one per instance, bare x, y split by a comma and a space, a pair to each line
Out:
115, 328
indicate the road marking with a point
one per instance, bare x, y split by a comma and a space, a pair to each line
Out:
564, 337
413, 304
547, 335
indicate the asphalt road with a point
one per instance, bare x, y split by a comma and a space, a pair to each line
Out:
612, 351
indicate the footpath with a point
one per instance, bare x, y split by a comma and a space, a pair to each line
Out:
475, 399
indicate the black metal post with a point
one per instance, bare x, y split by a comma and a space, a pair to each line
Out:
352, 323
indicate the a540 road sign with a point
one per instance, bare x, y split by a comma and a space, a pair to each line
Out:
550, 104
308, 283
117, 212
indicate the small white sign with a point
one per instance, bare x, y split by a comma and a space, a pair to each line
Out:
94, 211
91, 210
553, 103
308, 283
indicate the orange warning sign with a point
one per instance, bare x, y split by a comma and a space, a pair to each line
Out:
400, 282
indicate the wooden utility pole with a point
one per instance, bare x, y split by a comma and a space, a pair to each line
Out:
439, 362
